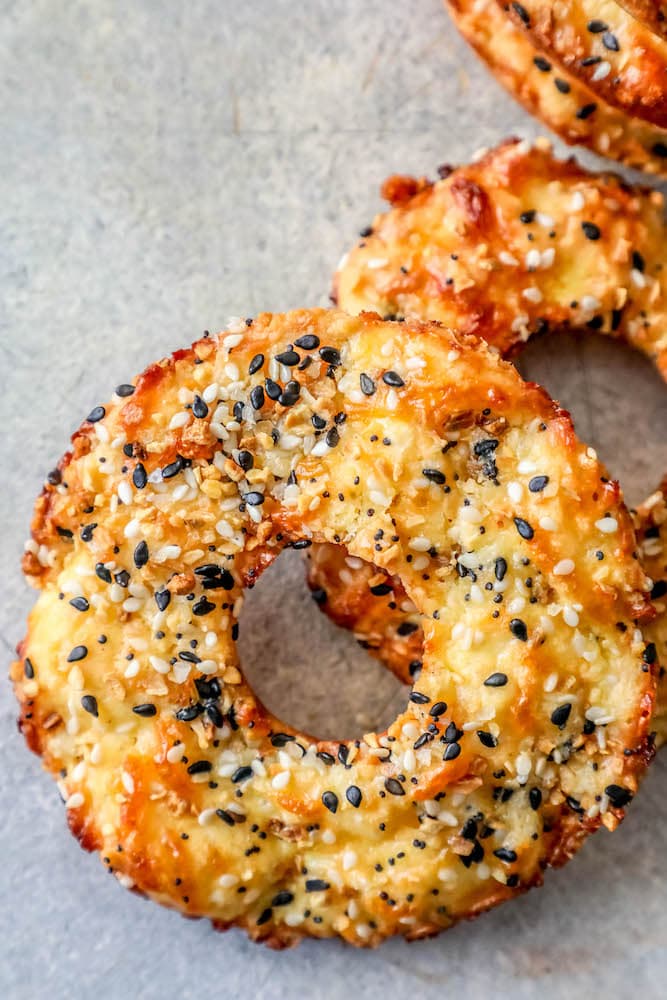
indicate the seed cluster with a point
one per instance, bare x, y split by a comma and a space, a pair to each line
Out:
582, 76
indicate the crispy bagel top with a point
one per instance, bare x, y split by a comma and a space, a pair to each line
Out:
601, 43
555, 95
413, 446
652, 13
513, 244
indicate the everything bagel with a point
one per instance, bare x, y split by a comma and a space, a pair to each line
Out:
566, 105
603, 45
418, 449
588, 248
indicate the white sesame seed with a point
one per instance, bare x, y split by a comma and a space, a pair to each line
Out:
542, 219
577, 202
167, 552
570, 617
125, 494
547, 523
564, 567
179, 419
607, 525
128, 782
507, 258
532, 294
601, 71
349, 860
589, 303
160, 665
281, 780
514, 491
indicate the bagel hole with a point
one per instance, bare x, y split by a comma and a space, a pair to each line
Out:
617, 399
307, 671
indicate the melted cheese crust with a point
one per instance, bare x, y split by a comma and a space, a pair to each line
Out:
317, 427
618, 57
464, 251
565, 103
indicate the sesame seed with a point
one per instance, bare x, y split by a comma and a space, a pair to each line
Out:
495, 680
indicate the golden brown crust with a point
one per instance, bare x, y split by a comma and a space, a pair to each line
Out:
651, 525
129, 683
652, 13
516, 243
475, 214
618, 57
563, 102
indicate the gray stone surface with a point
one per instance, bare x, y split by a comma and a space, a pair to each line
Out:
162, 166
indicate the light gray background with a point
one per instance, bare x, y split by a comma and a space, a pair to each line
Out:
164, 165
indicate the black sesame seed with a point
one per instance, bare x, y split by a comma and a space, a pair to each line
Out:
202, 607
438, 709
189, 713
257, 397
487, 739
353, 796
659, 589
241, 774
28, 668
524, 529
434, 475
381, 589
319, 423
173, 468
141, 555
284, 897
122, 578
393, 786
618, 796
124, 390
521, 12
254, 498
80, 603
650, 653
562, 85
316, 885
500, 568
330, 800
535, 798
560, 715
591, 231
332, 437
139, 477
78, 653
200, 767
308, 342
330, 355
146, 710
506, 855
496, 680
528, 216
418, 698
452, 751
254, 366
326, 758
659, 149
273, 390
542, 64
585, 111
537, 483
97, 413
89, 704
288, 358
393, 379
162, 599
610, 41
519, 629
103, 573
367, 384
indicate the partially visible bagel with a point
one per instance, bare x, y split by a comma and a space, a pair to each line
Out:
464, 251
514, 244
566, 105
416, 448
652, 13
604, 46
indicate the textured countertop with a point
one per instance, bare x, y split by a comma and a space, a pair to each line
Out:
162, 167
